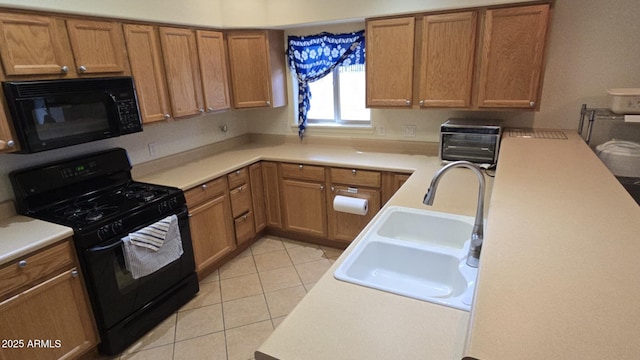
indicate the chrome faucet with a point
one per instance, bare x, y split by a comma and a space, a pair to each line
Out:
477, 234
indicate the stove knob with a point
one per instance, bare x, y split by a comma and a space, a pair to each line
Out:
103, 232
116, 227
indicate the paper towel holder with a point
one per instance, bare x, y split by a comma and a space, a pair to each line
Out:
350, 190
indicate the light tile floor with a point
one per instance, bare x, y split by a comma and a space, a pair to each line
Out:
238, 305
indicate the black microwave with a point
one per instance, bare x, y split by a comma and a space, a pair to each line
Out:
51, 114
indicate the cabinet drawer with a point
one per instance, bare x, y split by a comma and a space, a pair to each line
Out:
355, 177
240, 200
302, 172
245, 229
35, 267
205, 191
238, 177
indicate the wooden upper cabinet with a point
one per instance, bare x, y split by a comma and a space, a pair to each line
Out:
447, 58
179, 51
98, 46
390, 49
512, 56
256, 63
34, 45
213, 68
145, 58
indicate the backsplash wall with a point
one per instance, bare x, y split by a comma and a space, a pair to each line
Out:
169, 138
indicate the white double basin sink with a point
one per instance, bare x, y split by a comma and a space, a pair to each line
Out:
416, 253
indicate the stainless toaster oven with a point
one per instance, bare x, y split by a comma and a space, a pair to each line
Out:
475, 140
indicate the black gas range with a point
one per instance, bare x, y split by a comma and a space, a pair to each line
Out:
97, 197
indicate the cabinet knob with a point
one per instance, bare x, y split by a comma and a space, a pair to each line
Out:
82, 68
167, 116
209, 109
238, 172
321, 187
64, 69
354, 171
8, 144
421, 102
268, 103
300, 167
22, 263
204, 186
407, 101
244, 217
74, 273
241, 188
201, 110
532, 103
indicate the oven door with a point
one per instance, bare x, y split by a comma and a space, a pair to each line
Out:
115, 293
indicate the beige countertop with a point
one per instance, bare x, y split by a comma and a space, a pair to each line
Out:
557, 274
341, 320
20, 235
559, 268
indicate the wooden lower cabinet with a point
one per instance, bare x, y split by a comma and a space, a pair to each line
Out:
258, 196
271, 179
44, 311
391, 182
304, 207
344, 227
211, 224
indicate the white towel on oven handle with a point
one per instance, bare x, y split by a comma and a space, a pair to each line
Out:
152, 236
142, 261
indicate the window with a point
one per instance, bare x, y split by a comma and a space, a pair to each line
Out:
339, 98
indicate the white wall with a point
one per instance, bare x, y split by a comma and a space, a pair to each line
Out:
244, 13
169, 138
196, 12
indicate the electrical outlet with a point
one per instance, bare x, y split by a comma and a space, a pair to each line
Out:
409, 131
381, 130
152, 149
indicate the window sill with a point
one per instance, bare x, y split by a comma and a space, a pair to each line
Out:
338, 128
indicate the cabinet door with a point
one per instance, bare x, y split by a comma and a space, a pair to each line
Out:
258, 196
211, 231
245, 229
271, 180
55, 312
7, 144
249, 65
390, 62
182, 70
512, 56
305, 207
345, 226
98, 46
146, 66
213, 68
34, 45
448, 55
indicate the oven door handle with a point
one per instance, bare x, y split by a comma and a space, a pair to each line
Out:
99, 249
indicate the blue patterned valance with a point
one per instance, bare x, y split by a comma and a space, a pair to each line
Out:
313, 57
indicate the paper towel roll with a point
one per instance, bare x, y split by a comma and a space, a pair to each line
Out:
350, 205
632, 118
